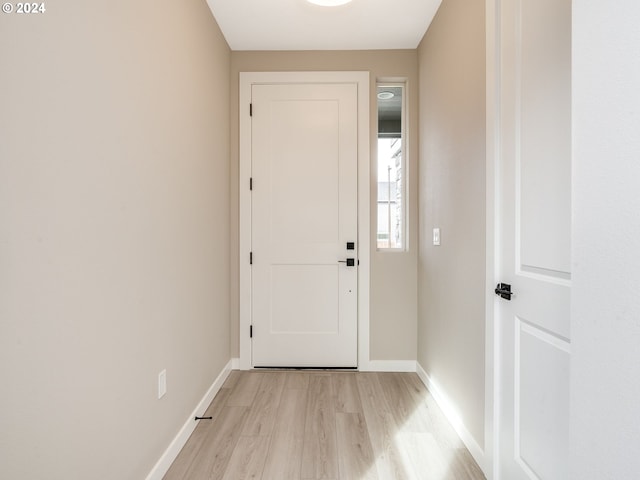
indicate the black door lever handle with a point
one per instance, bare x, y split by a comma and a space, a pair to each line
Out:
504, 290
349, 261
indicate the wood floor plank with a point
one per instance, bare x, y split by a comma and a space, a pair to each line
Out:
245, 389
297, 380
279, 425
356, 460
391, 459
461, 464
319, 455
196, 441
262, 414
247, 460
232, 379
429, 461
405, 407
284, 459
464, 467
345, 388
219, 444
216, 405
439, 426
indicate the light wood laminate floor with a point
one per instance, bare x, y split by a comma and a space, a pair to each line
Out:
299, 425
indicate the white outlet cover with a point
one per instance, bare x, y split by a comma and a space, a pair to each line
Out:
436, 236
162, 384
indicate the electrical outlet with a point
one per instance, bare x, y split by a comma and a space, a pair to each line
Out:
436, 236
162, 383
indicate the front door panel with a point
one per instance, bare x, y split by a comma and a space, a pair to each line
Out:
304, 211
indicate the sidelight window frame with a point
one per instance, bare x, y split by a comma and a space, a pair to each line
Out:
400, 215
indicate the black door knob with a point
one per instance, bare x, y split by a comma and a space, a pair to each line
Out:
504, 290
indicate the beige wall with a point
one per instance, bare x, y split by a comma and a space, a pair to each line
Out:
393, 275
451, 281
114, 213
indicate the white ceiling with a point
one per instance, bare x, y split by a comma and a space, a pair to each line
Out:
299, 25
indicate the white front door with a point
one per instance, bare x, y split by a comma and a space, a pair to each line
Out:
535, 237
304, 225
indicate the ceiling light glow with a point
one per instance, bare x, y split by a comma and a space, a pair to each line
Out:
329, 3
385, 95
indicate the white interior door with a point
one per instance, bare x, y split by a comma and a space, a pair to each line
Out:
535, 238
304, 213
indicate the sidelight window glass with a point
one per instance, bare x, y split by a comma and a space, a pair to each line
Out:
391, 171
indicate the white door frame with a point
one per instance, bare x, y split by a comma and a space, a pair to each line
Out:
247, 79
493, 160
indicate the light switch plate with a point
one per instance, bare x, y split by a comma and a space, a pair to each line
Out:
162, 383
436, 236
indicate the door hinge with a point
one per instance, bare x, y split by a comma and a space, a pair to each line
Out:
250, 331
251, 109
251, 183
250, 258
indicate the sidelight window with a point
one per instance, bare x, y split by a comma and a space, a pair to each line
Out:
391, 171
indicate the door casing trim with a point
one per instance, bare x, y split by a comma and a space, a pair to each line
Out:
491, 460
361, 79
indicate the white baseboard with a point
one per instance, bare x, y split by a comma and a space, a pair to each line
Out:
235, 364
170, 454
389, 366
449, 411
